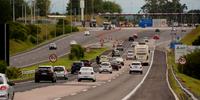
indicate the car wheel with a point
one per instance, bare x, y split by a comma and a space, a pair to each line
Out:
37, 81
66, 78
79, 80
110, 72
93, 80
117, 69
100, 72
141, 72
130, 72
54, 81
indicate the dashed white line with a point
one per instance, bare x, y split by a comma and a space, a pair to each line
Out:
57, 98
73, 94
85, 90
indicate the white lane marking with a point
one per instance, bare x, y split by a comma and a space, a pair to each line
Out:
109, 80
167, 78
85, 90
138, 86
58, 99
73, 94
94, 86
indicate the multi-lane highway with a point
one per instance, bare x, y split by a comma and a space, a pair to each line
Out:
114, 86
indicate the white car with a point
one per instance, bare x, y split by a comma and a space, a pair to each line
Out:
87, 33
120, 60
104, 58
6, 88
61, 72
134, 44
105, 67
86, 73
136, 66
130, 55
52, 46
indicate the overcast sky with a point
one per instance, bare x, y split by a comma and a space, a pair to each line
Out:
128, 6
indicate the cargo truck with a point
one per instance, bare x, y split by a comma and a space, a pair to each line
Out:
142, 54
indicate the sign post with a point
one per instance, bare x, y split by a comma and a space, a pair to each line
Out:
82, 6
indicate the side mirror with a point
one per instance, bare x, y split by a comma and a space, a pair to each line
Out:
11, 83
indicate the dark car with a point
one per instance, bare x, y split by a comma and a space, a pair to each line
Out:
86, 63
131, 38
45, 73
115, 65
115, 53
76, 66
120, 47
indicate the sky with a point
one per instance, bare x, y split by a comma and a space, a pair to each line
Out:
128, 6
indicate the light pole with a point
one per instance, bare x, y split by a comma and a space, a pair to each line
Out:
13, 10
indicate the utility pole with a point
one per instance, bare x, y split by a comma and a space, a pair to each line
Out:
82, 6
13, 10
25, 14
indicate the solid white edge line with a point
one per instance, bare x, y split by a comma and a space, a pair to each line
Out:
167, 79
183, 88
139, 85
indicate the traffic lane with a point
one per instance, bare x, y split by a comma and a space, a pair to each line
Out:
41, 54
66, 88
155, 86
113, 90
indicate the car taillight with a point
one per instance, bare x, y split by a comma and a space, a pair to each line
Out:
92, 73
79, 72
2, 88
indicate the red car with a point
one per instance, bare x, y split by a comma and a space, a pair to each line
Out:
156, 37
135, 36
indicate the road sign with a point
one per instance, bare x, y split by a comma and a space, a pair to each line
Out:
53, 58
182, 60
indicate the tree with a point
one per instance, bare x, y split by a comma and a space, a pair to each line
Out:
5, 9
93, 7
163, 6
43, 7
3, 67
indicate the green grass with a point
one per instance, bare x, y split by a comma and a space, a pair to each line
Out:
191, 83
66, 62
18, 46
189, 38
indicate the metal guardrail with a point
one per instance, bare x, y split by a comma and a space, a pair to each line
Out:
183, 88
28, 72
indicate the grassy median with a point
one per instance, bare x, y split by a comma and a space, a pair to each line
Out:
61, 61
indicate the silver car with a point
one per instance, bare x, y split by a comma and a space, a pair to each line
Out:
6, 88
105, 67
61, 72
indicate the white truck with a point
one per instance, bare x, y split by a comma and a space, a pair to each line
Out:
142, 53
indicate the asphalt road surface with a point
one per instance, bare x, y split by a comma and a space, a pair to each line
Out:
155, 86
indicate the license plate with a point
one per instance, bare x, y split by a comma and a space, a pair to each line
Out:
44, 73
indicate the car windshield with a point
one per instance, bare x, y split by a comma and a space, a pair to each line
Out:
1, 80
58, 69
77, 64
86, 69
44, 68
136, 64
105, 64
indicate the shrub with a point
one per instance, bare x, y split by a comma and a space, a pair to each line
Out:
32, 39
76, 52
34, 30
60, 22
196, 42
192, 66
18, 31
3, 67
13, 72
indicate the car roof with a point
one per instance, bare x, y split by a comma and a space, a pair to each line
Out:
136, 62
45, 66
86, 67
59, 66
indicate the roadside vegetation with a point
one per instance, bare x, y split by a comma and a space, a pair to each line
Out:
191, 37
25, 37
188, 74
